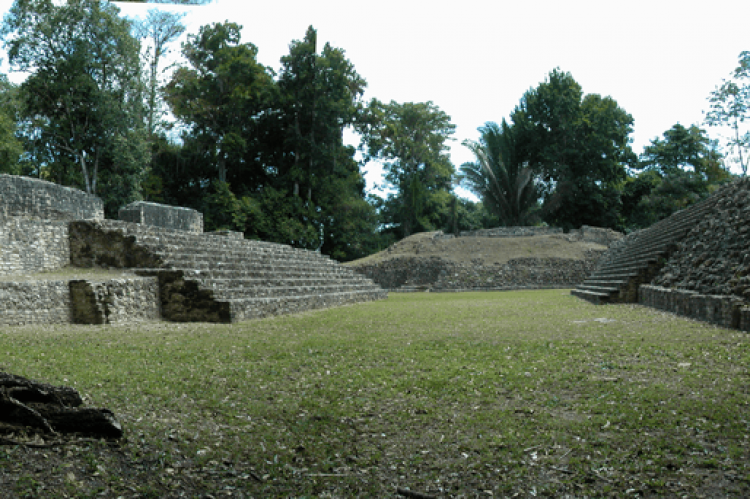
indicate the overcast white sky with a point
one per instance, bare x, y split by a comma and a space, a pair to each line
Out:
659, 59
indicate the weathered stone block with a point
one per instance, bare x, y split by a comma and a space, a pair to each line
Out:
160, 215
28, 246
31, 197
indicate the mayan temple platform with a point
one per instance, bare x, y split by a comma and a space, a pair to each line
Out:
695, 263
166, 266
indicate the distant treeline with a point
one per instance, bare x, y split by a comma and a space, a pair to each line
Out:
261, 150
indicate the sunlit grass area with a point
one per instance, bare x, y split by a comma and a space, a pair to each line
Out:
450, 395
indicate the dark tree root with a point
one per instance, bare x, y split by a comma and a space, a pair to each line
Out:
29, 405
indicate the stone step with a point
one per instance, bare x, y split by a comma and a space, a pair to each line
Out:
217, 263
278, 281
289, 291
615, 285
616, 272
298, 273
253, 308
591, 296
211, 242
599, 288
238, 252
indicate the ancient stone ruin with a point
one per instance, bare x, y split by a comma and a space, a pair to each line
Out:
169, 268
695, 263
437, 273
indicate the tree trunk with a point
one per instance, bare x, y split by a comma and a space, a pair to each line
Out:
25, 404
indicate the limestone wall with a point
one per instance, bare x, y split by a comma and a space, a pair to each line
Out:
160, 215
30, 197
115, 301
35, 302
28, 246
438, 274
518, 273
597, 235
725, 311
512, 232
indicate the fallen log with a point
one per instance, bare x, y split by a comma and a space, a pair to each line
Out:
30, 405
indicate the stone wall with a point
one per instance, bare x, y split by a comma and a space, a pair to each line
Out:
28, 246
30, 197
708, 276
518, 273
160, 215
399, 271
512, 232
597, 235
115, 301
35, 302
437, 274
725, 311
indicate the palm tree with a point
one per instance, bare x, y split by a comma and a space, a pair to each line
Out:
498, 176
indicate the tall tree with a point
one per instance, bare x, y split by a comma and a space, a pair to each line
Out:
680, 168
579, 145
411, 141
11, 147
730, 104
687, 149
502, 180
320, 97
221, 97
158, 29
83, 97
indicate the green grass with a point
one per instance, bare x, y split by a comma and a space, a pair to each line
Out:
455, 395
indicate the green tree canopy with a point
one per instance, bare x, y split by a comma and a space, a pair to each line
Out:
11, 147
730, 105
83, 98
502, 180
579, 144
680, 168
221, 97
411, 141
680, 149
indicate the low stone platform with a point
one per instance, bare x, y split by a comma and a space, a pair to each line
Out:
79, 301
219, 278
174, 270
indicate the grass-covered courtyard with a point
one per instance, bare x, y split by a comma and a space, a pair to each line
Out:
514, 394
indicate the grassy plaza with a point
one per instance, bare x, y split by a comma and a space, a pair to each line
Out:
498, 394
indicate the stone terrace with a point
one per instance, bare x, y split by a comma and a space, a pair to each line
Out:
637, 258
49, 232
219, 278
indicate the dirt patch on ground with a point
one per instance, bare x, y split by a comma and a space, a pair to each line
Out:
488, 250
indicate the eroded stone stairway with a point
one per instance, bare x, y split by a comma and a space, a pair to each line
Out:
637, 258
220, 278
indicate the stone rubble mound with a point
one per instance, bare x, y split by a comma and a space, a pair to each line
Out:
637, 258
490, 260
695, 263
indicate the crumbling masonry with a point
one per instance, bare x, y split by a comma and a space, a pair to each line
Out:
171, 269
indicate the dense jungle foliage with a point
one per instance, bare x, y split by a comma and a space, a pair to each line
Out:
267, 151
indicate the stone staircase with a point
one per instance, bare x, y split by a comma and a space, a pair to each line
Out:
220, 278
636, 259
